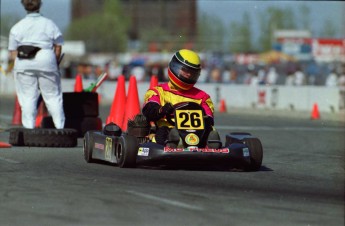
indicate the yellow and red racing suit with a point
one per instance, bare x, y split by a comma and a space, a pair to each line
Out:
164, 93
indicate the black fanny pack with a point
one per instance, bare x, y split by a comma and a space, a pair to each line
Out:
27, 52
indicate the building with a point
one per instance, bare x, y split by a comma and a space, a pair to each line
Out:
173, 16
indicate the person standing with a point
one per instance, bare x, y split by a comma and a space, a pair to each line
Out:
299, 77
332, 79
35, 43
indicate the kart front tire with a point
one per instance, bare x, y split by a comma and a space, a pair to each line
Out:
126, 151
256, 153
88, 143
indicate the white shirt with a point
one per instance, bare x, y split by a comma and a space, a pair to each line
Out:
272, 76
332, 80
299, 78
36, 30
254, 81
139, 73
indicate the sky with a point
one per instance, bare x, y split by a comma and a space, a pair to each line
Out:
228, 11
57, 10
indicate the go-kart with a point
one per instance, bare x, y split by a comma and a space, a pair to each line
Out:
198, 143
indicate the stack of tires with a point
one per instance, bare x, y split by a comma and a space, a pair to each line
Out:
81, 112
39, 137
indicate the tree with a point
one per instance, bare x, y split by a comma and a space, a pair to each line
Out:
304, 20
156, 35
240, 35
210, 34
328, 30
7, 21
104, 31
271, 20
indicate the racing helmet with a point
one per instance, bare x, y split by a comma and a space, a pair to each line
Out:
184, 69
32, 5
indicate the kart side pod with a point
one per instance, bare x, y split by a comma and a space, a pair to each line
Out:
121, 150
253, 144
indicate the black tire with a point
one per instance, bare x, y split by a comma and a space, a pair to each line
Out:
256, 153
126, 151
80, 104
50, 138
82, 125
87, 146
17, 136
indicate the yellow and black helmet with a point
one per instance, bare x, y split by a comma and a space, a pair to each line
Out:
184, 69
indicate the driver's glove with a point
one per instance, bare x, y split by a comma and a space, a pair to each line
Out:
167, 109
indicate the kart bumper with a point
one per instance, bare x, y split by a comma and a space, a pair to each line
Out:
157, 154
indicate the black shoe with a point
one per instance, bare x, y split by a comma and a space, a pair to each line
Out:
213, 140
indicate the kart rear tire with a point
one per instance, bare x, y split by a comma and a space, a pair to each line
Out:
50, 137
126, 151
87, 146
256, 153
17, 136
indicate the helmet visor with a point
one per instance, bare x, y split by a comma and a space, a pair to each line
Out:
185, 73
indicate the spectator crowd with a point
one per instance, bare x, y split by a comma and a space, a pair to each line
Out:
284, 73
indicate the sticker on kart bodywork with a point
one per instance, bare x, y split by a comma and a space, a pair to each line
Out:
143, 151
99, 146
204, 150
192, 139
246, 152
108, 148
189, 119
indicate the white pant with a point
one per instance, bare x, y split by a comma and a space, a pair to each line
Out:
29, 83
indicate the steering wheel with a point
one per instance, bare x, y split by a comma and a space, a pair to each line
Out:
171, 118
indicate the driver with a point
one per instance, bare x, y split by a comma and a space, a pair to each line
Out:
184, 71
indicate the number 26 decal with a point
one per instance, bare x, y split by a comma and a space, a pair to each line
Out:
189, 119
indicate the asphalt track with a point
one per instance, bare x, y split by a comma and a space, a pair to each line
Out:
301, 181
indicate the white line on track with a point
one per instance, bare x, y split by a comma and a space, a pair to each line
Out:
267, 128
166, 201
9, 160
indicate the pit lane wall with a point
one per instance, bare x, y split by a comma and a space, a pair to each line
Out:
328, 99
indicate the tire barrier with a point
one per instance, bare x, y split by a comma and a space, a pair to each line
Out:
81, 113
82, 125
82, 104
43, 137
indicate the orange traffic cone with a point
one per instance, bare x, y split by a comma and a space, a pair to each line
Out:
222, 107
315, 114
17, 114
4, 145
132, 103
117, 109
154, 81
78, 85
42, 112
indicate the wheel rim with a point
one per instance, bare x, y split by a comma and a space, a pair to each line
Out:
119, 152
86, 150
